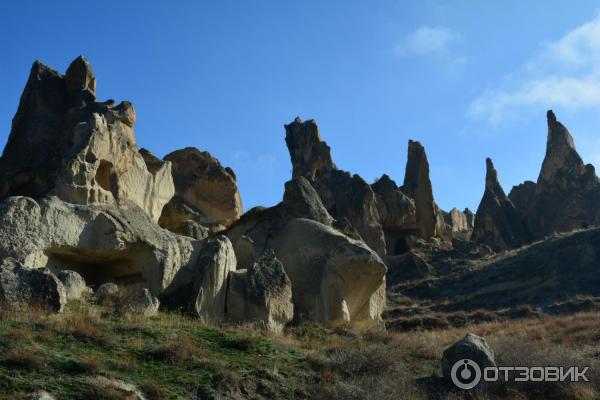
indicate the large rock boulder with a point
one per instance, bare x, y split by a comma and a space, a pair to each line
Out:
311, 157
22, 285
140, 301
74, 284
262, 293
471, 347
101, 242
418, 186
335, 280
206, 192
65, 143
200, 288
497, 223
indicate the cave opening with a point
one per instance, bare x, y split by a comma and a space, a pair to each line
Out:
97, 267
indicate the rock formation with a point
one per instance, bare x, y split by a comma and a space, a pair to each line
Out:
470, 347
348, 197
418, 186
567, 192
261, 293
206, 192
470, 217
65, 143
200, 288
335, 280
458, 221
397, 213
497, 222
74, 284
311, 157
35, 287
301, 200
100, 242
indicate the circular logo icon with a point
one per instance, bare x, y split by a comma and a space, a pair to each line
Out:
465, 374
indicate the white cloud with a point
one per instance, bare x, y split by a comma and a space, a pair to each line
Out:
428, 41
563, 73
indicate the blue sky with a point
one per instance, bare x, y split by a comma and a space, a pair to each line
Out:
469, 79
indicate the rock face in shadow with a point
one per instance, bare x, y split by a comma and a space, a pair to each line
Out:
261, 294
65, 143
200, 288
206, 192
397, 213
349, 198
311, 157
497, 223
25, 286
301, 200
418, 186
567, 192
101, 242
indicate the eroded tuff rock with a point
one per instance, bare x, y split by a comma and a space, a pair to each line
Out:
22, 285
457, 221
470, 218
311, 157
301, 200
418, 186
397, 213
206, 192
348, 197
65, 143
324, 265
200, 288
335, 280
567, 192
497, 223
100, 242
261, 293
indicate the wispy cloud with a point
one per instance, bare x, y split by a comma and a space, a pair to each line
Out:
430, 41
563, 73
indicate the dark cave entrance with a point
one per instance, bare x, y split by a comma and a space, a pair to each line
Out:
97, 267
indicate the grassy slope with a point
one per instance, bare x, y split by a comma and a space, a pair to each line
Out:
175, 357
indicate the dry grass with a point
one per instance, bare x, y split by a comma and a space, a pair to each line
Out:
174, 351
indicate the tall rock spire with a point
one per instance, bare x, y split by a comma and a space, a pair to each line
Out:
497, 222
418, 186
561, 164
567, 194
311, 157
